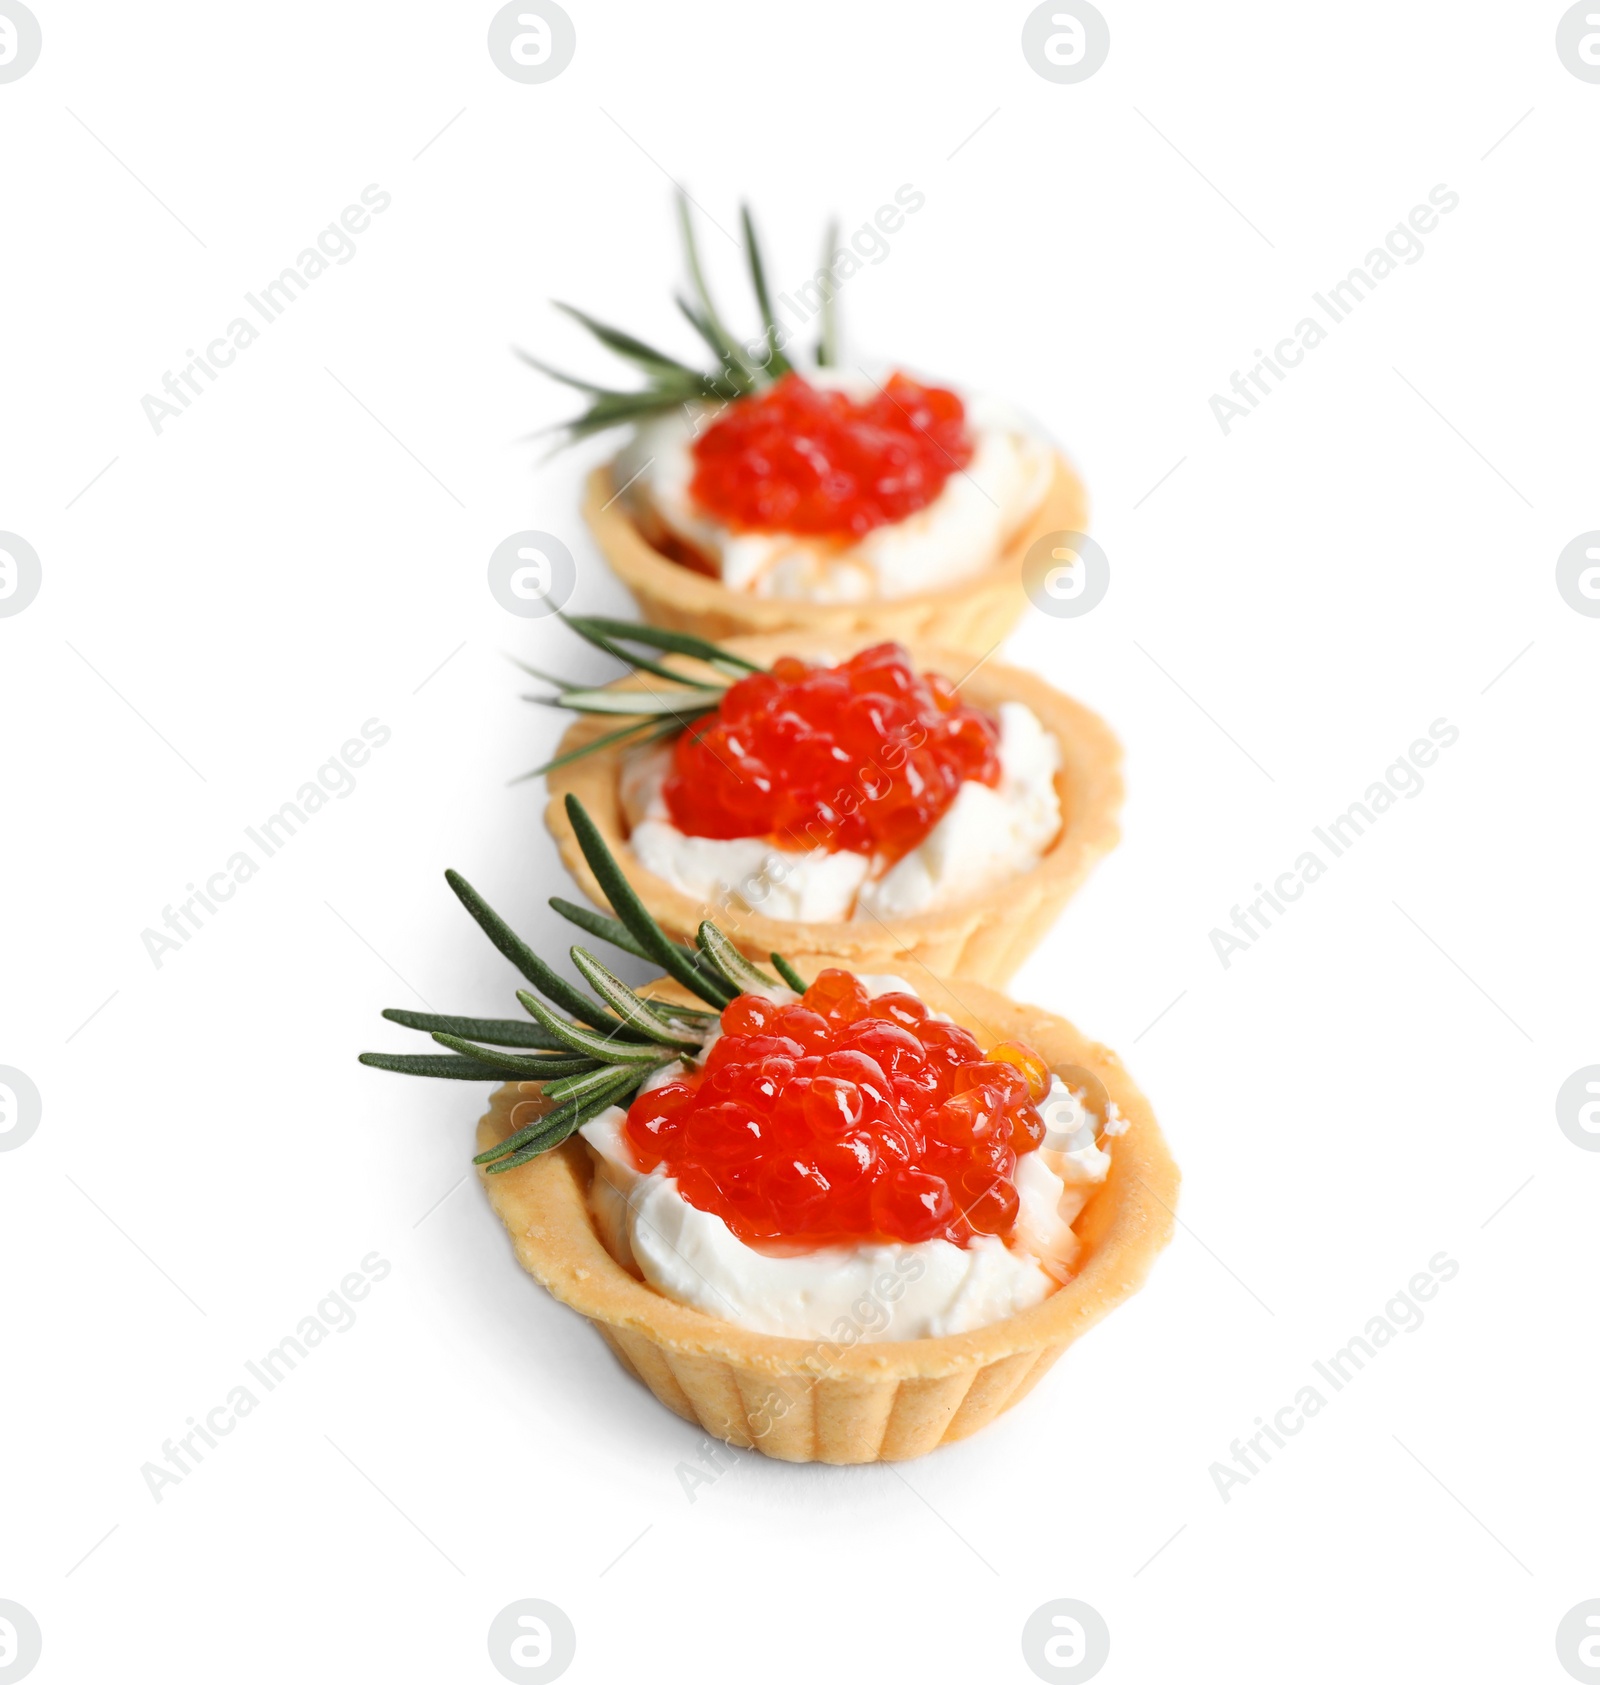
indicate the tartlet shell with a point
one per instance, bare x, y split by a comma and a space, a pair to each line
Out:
809, 1401
972, 615
985, 936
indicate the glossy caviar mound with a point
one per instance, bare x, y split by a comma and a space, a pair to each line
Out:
800, 458
866, 756
841, 1118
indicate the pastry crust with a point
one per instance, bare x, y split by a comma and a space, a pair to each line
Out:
985, 936
828, 1401
971, 616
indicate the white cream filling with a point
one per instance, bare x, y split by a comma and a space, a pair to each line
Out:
985, 836
956, 536
882, 1291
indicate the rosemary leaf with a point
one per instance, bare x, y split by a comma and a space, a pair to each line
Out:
604, 1048
506, 1032
777, 364
548, 678
657, 637
734, 381
689, 701
618, 935
617, 409
828, 343
537, 1148
602, 634
540, 1136
575, 1088
724, 344
788, 973
568, 379
644, 1015
546, 981
602, 925
635, 915
555, 1126
626, 346
597, 743
738, 971
525, 1065
433, 1065
553, 1123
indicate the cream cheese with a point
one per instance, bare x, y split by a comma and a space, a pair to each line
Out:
879, 1291
985, 836
894, 1290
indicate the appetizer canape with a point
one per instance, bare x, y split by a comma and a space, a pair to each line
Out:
761, 496
839, 1219
892, 808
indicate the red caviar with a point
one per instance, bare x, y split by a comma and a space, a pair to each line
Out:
810, 459
866, 756
841, 1118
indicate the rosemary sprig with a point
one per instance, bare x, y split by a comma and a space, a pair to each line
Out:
741, 367
608, 1047
652, 713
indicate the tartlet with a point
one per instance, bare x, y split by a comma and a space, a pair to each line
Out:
805, 1109
773, 493
985, 936
800, 1400
970, 616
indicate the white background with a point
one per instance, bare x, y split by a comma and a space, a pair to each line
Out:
229, 600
